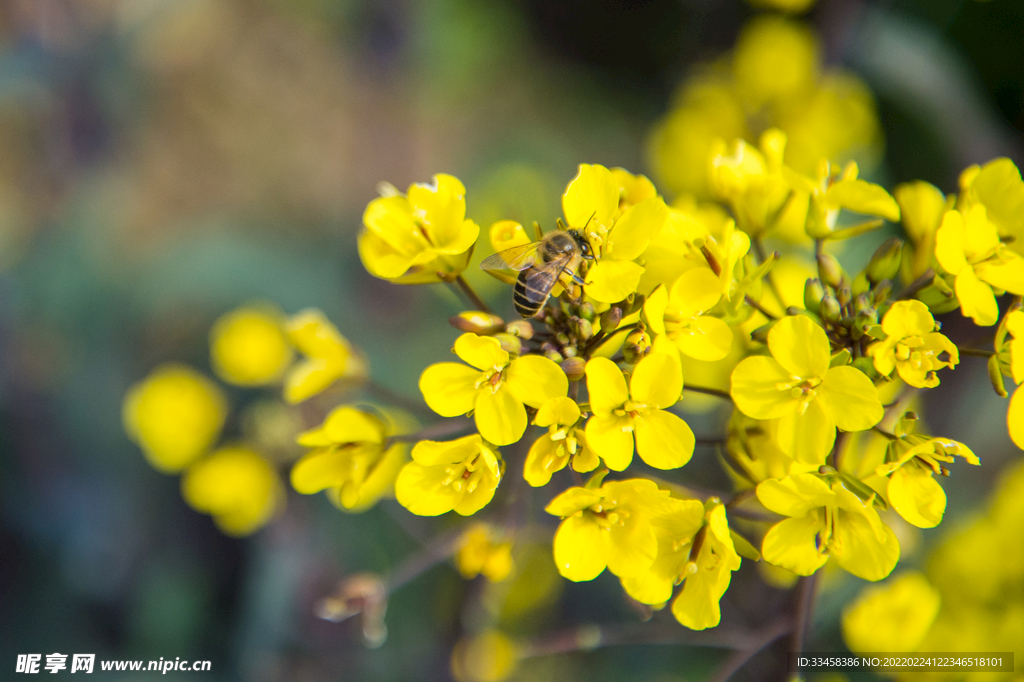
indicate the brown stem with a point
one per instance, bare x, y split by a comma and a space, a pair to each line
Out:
976, 352
448, 427
805, 590
739, 658
757, 306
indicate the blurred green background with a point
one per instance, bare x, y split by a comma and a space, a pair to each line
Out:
163, 161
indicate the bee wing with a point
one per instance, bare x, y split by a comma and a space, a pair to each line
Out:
517, 258
542, 279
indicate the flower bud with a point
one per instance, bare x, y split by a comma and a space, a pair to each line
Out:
881, 292
830, 310
761, 333
477, 322
553, 356
574, 368
509, 343
813, 292
844, 295
861, 302
521, 328
583, 329
886, 261
636, 346
995, 375
867, 366
587, 311
829, 270
610, 319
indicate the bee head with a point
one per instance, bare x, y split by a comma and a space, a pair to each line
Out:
584, 245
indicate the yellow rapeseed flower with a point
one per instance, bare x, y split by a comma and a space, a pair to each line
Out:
420, 237
351, 458
481, 550
329, 356
997, 185
638, 412
564, 442
240, 489
1014, 322
912, 346
967, 246
891, 617
460, 474
826, 521
617, 232
922, 206
487, 657
494, 387
248, 346
174, 415
910, 463
607, 527
796, 386
678, 313
695, 548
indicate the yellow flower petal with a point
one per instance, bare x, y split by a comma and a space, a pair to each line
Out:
891, 618
573, 500
908, 318
1015, 418
450, 388
592, 195
917, 496
483, 352
950, 243
857, 550
610, 281
792, 544
654, 309
794, 495
1008, 276
430, 453
345, 424
535, 380
708, 339
500, 416
850, 399
976, 298
560, 410
611, 439
632, 546
240, 489
635, 228
863, 197
580, 548
535, 470
755, 388
657, 380
390, 219
423, 490
800, 346
606, 386
695, 292
248, 346
663, 440
809, 437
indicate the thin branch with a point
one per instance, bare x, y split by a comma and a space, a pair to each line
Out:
472, 295
448, 427
976, 352
738, 659
916, 286
385, 394
757, 306
805, 590
708, 391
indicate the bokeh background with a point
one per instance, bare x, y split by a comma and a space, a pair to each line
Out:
164, 161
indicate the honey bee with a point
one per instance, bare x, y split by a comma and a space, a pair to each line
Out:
541, 265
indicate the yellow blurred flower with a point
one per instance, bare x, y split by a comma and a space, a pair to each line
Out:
174, 415
488, 657
997, 186
912, 347
480, 549
494, 387
236, 486
791, 6
564, 442
329, 356
248, 346
922, 206
796, 386
420, 237
459, 475
351, 458
772, 79
638, 412
891, 617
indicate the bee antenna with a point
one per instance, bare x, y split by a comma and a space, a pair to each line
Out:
589, 219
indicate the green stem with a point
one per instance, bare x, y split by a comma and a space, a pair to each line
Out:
708, 391
916, 286
757, 306
976, 352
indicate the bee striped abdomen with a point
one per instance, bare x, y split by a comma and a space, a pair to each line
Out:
532, 290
